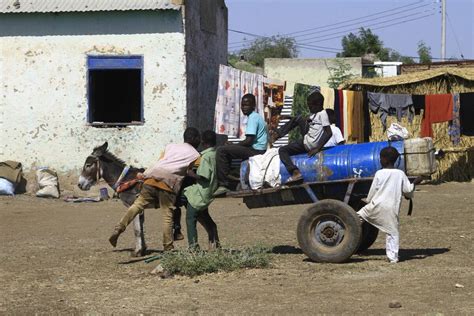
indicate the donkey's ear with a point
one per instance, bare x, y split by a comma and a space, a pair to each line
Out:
99, 151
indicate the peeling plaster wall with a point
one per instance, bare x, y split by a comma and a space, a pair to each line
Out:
205, 51
43, 100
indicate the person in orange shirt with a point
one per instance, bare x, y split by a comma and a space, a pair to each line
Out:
162, 183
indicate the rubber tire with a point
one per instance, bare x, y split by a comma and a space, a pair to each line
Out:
319, 252
369, 235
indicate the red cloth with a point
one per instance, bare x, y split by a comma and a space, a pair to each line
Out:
341, 111
438, 108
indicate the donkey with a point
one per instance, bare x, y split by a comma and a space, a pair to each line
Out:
103, 164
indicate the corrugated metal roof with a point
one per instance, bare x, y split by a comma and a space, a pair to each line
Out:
43, 6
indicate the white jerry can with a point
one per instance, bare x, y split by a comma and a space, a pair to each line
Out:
420, 157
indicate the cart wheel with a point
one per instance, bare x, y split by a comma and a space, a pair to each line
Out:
369, 235
329, 231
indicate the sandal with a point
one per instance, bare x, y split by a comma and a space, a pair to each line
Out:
295, 180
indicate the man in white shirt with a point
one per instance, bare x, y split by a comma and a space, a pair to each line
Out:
336, 138
316, 130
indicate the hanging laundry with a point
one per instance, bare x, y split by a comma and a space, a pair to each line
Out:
367, 124
357, 130
349, 97
345, 130
251, 83
455, 125
466, 113
328, 94
233, 84
438, 108
273, 101
341, 111
337, 110
418, 103
391, 104
227, 114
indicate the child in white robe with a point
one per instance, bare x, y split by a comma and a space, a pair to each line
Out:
385, 198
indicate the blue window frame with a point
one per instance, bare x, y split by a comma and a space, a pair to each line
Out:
115, 90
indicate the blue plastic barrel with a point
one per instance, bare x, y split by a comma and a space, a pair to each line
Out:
339, 162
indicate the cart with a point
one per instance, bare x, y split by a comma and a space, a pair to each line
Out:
329, 230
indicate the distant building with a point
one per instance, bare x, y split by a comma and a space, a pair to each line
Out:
309, 71
77, 73
387, 68
408, 68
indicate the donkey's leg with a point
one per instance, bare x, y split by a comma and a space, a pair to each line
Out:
138, 229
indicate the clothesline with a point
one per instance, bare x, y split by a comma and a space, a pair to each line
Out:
352, 108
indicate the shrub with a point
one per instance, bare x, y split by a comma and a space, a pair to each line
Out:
197, 262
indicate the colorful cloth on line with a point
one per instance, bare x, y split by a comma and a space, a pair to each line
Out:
455, 125
328, 94
438, 108
391, 104
273, 101
466, 114
233, 84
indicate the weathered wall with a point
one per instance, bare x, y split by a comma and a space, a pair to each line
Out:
43, 101
205, 50
308, 71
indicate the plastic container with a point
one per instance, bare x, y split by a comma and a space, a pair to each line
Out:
339, 162
420, 157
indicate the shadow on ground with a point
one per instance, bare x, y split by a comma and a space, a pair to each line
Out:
408, 254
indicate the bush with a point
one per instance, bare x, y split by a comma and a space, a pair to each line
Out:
197, 262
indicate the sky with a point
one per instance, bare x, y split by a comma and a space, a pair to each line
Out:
318, 25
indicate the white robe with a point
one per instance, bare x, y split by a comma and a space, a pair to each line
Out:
385, 199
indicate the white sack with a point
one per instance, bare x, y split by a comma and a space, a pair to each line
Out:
48, 183
265, 169
6, 187
397, 132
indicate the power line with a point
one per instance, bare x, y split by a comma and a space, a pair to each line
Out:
324, 37
366, 20
455, 36
376, 28
363, 18
368, 25
314, 47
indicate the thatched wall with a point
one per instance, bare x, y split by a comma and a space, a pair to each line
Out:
458, 164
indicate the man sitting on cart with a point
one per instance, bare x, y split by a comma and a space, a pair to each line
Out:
255, 143
316, 130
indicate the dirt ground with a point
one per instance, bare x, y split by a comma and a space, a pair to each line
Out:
55, 258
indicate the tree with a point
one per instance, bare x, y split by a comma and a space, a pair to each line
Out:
367, 43
424, 52
339, 74
269, 47
363, 44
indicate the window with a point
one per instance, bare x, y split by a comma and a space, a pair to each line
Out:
115, 90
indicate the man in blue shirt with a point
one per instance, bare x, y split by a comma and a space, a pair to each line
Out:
255, 143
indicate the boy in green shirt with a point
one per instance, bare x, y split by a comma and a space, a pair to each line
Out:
200, 195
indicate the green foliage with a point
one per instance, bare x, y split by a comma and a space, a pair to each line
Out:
407, 60
339, 74
193, 263
269, 47
299, 107
366, 43
424, 52
363, 44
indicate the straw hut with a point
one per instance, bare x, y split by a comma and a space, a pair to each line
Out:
458, 164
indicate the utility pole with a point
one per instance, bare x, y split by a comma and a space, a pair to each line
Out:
443, 30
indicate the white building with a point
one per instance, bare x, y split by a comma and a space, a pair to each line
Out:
76, 73
387, 68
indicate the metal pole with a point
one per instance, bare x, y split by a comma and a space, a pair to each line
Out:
443, 30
